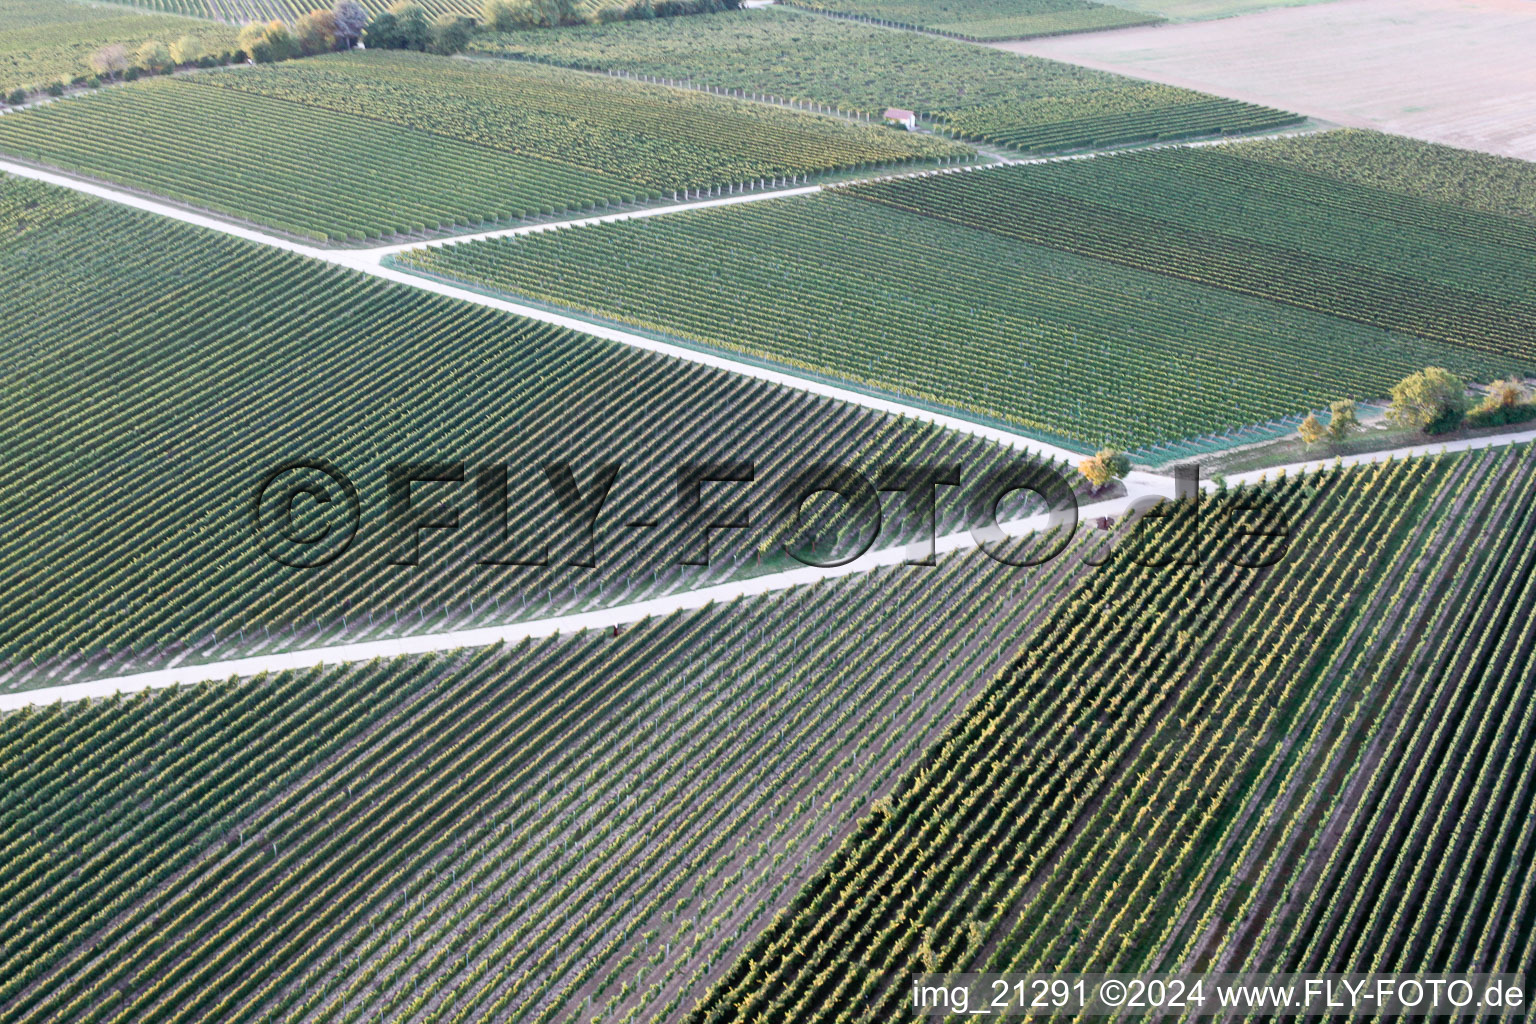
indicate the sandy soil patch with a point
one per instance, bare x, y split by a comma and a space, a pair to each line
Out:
1462, 72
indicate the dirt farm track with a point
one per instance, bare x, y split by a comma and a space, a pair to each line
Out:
1461, 72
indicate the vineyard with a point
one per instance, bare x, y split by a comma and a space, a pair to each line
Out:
589, 826
1382, 258
136, 377
1158, 781
980, 20
362, 145
238, 12
970, 91
48, 41
1458, 177
961, 317
547, 530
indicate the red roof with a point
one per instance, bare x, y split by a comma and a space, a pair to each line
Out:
897, 114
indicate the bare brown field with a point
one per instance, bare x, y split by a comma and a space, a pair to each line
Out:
1461, 72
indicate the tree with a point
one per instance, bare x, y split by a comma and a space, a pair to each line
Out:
450, 33
351, 19
1312, 430
1507, 401
187, 50
1503, 394
415, 31
383, 32
607, 14
1433, 400
284, 46
1342, 419
1105, 468
17, 97
549, 13
501, 15
315, 32
110, 61
267, 43
253, 40
152, 56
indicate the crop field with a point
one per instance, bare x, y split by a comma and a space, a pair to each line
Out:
981, 20
1455, 177
238, 12
448, 143
597, 524
588, 826
1248, 727
241, 11
47, 41
1455, 73
1437, 271
1023, 103
997, 293
142, 379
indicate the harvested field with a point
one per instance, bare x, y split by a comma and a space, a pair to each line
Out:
1452, 71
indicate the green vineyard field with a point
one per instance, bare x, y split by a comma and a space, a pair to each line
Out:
238, 12
153, 359
981, 20
1459, 177
1325, 765
970, 318
47, 41
592, 825
600, 524
1026, 103
1226, 217
362, 145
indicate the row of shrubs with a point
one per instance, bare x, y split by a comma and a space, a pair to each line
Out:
1437, 402
153, 58
1434, 401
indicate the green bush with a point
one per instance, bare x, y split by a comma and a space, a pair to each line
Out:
1502, 416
